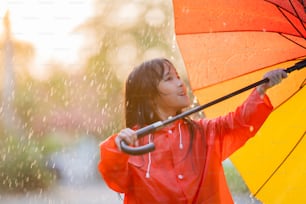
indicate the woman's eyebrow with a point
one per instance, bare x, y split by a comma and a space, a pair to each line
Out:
166, 73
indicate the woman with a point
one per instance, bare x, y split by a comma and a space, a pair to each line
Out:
186, 166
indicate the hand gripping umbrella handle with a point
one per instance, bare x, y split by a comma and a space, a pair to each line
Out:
157, 125
140, 133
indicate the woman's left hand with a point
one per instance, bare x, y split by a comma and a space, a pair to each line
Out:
275, 77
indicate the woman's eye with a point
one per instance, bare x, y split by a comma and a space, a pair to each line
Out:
168, 78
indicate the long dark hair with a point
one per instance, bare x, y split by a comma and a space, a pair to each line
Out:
140, 91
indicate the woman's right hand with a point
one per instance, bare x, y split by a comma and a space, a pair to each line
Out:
128, 135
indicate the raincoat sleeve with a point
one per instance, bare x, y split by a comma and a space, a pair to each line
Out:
113, 165
228, 133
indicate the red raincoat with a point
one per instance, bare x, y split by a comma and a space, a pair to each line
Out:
173, 173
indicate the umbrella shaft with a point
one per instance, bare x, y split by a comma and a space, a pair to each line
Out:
157, 125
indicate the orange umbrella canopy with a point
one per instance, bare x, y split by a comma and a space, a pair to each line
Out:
228, 44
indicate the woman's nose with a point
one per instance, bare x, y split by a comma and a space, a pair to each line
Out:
180, 82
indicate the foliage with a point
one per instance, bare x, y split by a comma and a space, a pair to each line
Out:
89, 101
23, 165
116, 38
234, 180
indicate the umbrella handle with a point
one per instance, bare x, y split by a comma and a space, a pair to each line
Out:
157, 125
297, 66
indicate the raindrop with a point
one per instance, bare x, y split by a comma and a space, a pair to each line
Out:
30, 134
92, 83
155, 17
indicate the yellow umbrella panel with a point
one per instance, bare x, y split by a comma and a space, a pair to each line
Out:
273, 163
228, 44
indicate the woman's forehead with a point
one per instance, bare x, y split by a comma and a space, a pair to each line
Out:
168, 69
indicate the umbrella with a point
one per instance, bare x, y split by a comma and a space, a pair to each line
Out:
226, 44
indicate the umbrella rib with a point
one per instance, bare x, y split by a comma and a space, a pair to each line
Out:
235, 31
292, 41
262, 68
297, 30
297, 14
302, 85
280, 165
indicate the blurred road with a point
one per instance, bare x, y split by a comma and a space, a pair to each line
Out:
66, 194
83, 194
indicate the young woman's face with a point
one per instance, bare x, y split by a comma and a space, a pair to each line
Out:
172, 94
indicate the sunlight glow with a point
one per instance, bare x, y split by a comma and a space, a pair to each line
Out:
49, 25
